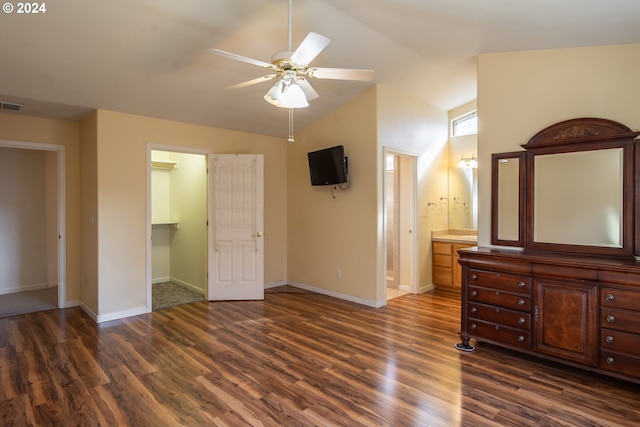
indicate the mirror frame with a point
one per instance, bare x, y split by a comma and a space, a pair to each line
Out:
578, 135
495, 214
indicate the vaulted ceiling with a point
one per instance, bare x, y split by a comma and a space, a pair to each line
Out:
150, 57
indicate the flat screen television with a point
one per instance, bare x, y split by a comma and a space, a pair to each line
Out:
328, 166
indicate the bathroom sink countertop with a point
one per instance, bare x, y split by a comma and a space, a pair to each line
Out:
455, 236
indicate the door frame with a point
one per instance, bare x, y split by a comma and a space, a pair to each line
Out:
151, 146
413, 272
61, 207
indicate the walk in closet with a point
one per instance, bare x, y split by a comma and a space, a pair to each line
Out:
179, 219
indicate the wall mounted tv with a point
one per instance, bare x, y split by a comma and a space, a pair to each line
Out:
328, 166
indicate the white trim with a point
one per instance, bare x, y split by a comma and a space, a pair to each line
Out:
275, 284
61, 206
89, 312
426, 288
119, 314
339, 295
25, 288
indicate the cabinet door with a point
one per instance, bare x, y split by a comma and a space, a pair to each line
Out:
565, 321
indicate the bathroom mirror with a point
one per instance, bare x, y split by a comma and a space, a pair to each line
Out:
580, 188
507, 203
462, 197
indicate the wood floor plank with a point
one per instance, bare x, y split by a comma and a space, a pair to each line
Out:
296, 358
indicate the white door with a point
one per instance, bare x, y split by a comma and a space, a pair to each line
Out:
236, 242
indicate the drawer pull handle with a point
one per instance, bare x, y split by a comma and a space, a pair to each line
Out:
520, 302
611, 318
609, 297
521, 338
610, 361
522, 285
474, 294
521, 320
474, 276
474, 326
609, 339
473, 310
497, 276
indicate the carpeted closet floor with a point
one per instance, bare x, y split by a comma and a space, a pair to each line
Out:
169, 294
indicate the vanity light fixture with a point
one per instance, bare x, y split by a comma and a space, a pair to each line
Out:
468, 162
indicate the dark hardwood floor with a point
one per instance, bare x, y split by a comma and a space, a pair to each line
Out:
294, 359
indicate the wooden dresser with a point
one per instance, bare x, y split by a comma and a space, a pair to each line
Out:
579, 310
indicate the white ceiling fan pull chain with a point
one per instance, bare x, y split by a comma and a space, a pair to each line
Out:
290, 123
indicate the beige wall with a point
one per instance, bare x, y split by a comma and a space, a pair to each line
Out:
408, 125
462, 182
15, 127
346, 233
89, 202
520, 93
121, 191
326, 234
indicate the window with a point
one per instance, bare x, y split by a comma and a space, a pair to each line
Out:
465, 125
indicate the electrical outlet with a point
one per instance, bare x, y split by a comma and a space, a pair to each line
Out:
338, 274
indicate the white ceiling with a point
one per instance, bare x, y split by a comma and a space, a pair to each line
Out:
149, 57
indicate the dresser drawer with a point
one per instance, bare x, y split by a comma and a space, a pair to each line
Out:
499, 298
500, 315
622, 342
619, 298
620, 320
501, 281
499, 333
621, 363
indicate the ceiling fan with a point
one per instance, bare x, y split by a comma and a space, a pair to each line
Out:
291, 70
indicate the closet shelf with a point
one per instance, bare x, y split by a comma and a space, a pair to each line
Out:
168, 222
164, 165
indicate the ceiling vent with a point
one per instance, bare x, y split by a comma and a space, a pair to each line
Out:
10, 106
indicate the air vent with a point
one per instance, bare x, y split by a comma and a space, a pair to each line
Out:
10, 106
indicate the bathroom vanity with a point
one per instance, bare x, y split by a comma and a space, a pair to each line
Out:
562, 279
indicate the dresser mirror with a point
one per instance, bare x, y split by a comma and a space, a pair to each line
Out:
580, 188
578, 198
507, 203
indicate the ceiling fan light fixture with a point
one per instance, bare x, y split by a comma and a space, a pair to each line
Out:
287, 94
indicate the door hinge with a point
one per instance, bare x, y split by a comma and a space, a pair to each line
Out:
535, 313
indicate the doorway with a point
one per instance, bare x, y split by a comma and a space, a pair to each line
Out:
178, 210
399, 224
32, 223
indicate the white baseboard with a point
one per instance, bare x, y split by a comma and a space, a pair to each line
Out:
70, 303
405, 288
89, 312
157, 280
188, 285
23, 288
346, 297
121, 314
275, 284
426, 288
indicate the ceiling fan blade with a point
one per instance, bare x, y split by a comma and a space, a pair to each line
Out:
308, 90
341, 74
252, 82
242, 58
310, 47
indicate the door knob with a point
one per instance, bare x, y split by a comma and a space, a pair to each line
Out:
259, 234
